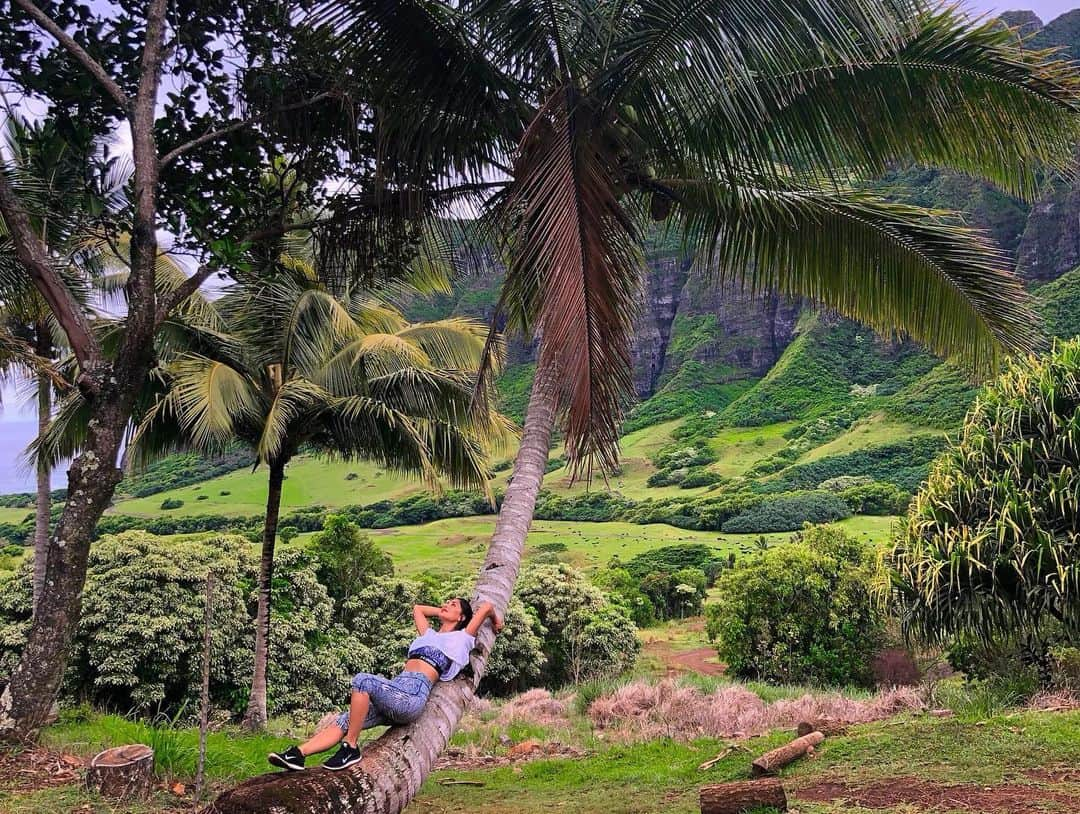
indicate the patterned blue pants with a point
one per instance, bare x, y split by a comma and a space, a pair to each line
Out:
392, 701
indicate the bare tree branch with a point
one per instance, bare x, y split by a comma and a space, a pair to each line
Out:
240, 125
34, 257
88, 62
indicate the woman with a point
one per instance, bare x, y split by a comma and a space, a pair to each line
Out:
377, 701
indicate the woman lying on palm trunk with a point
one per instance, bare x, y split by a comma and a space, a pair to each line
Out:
377, 701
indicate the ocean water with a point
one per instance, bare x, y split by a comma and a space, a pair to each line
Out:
15, 475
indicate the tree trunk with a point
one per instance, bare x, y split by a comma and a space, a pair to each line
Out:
26, 703
394, 766
255, 717
740, 796
772, 762
43, 503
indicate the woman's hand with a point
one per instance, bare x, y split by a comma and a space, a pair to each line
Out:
497, 621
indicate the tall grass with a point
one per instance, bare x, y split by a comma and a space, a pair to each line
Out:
230, 754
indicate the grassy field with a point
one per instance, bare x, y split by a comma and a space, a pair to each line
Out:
909, 764
449, 546
871, 431
309, 481
15, 515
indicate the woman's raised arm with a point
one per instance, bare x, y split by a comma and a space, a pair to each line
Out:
483, 611
420, 614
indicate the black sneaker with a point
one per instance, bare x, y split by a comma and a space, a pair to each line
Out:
343, 758
292, 759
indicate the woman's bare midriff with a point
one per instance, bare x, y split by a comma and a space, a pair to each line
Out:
421, 666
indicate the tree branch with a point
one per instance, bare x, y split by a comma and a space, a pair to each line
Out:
77, 51
33, 255
239, 125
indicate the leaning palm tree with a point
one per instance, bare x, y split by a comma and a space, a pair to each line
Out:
294, 366
749, 128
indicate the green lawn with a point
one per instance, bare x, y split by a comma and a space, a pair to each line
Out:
15, 515
871, 431
740, 448
309, 481
458, 544
1019, 750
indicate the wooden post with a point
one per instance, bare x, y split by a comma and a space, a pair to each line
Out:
744, 795
123, 772
204, 693
772, 762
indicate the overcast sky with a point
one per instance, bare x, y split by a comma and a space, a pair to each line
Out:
1046, 9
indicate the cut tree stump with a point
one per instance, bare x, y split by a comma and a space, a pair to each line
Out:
829, 727
735, 798
123, 772
772, 762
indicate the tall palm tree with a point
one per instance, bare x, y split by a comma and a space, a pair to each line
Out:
295, 365
747, 127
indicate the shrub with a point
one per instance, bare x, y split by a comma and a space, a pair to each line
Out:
876, 499
171, 503
904, 463
624, 590
563, 601
139, 640
346, 559
989, 550
700, 476
312, 658
671, 558
600, 643
800, 613
788, 513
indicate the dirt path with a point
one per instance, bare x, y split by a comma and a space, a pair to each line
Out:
696, 661
923, 795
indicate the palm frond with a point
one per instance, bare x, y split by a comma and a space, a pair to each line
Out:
297, 399
895, 267
576, 245
209, 400
953, 95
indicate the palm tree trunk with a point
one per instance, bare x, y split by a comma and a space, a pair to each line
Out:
394, 766
43, 504
255, 717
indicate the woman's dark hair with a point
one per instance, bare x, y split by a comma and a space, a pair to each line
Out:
466, 613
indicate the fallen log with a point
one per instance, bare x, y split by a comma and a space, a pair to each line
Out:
772, 762
122, 773
830, 727
743, 795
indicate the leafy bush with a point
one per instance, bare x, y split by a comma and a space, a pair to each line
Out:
989, 550
788, 513
876, 499
171, 503
625, 591
673, 558
903, 463
139, 640
592, 506
346, 559
700, 476
566, 604
312, 658
801, 612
